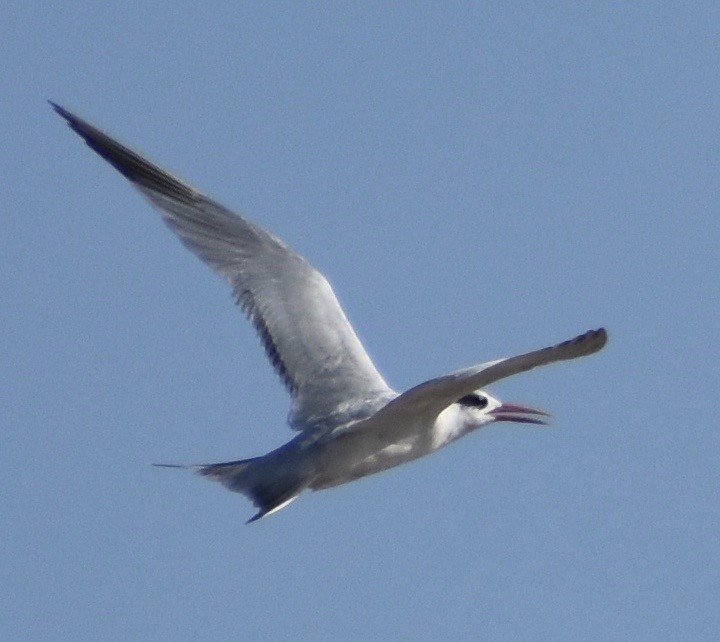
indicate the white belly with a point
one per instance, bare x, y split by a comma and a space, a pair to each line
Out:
343, 464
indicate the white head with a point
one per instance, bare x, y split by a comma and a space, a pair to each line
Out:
480, 409
476, 410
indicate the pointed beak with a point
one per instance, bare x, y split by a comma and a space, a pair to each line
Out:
518, 414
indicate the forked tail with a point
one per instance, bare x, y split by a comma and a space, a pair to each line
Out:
269, 488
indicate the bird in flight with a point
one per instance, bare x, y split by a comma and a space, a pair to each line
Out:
350, 423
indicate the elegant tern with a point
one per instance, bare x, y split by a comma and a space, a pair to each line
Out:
350, 423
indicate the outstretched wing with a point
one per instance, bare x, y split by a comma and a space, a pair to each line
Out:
437, 394
423, 403
304, 330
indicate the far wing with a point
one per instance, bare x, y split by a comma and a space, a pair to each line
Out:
423, 403
305, 332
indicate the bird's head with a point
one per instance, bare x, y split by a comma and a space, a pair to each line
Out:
481, 409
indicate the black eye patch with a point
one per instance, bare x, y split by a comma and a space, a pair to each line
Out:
474, 401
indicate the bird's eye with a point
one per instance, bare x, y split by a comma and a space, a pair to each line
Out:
475, 401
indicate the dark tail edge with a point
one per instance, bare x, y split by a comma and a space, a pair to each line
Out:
180, 466
269, 490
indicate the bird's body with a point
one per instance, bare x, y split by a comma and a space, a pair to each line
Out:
341, 463
350, 422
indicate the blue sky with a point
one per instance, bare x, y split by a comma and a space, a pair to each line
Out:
476, 180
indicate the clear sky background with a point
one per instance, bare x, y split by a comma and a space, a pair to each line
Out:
476, 180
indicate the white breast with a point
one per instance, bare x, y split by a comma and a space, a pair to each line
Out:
346, 462
449, 426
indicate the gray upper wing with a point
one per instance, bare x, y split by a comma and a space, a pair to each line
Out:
425, 402
437, 394
304, 330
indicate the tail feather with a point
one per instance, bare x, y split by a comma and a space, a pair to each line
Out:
269, 489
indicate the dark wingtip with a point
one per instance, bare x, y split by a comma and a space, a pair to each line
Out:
130, 164
601, 337
591, 341
63, 112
